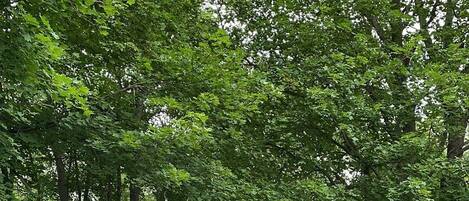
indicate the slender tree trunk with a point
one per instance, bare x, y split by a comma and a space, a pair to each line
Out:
134, 192
39, 193
79, 195
77, 179
118, 184
109, 188
138, 113
8, 183
86, 190
38, 187
62, 185
86, 194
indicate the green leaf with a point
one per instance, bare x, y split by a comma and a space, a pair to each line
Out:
130, 2
46, 22
109, 8
31, 20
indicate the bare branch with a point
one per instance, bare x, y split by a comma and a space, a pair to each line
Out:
432, 14
373, 20
407, 8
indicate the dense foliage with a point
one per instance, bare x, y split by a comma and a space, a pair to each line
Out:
234, 100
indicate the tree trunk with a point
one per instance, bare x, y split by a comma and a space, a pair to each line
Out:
39, 189
455, 146
86, 191
118, 184
134, 192
457, 129
62, 186
77, 179
8, 183
109, 188
451, 184
86, 194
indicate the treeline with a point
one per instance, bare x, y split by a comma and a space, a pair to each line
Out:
234, 100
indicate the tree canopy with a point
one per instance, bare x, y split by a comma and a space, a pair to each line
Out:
234, 100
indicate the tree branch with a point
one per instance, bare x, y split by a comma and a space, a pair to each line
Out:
351, 149
133, 86
296, 157
407, 7
432, 14
40, 126
465, 148
373, 20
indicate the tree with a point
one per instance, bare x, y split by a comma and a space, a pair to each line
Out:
364, 86
234, 100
